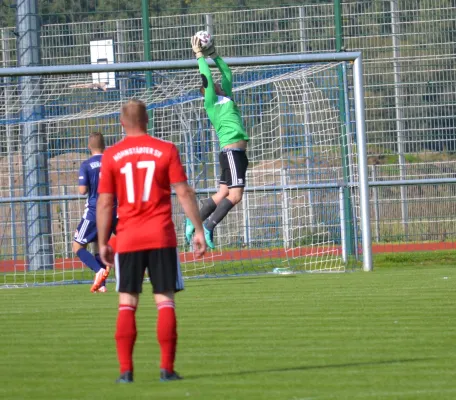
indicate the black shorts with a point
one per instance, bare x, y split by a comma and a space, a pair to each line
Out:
162, 265
234, 165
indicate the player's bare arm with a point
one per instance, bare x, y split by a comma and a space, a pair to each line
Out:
187, 199
83, 190
105, 204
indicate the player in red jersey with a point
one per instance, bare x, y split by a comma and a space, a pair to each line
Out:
140, 170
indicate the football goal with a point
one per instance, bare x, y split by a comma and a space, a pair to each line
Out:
306, 203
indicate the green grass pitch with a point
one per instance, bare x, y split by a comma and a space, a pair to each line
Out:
389, 334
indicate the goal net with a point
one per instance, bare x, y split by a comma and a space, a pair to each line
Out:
296, 214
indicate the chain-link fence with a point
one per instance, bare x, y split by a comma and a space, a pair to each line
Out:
409, 49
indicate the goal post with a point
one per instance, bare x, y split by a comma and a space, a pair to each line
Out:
293, 216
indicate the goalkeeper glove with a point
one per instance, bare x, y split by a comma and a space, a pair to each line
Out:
196, 47
210, 52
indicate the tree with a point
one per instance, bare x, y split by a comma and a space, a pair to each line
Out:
7, 14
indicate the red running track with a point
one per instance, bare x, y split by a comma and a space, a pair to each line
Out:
246, 254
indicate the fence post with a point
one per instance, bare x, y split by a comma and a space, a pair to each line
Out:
65, 221
146, 38
285, 206
246, 217
147, 54
343, 233
399, 106
9, 146
349, 226
209, 24
34, 149
376, 205
215, 152
310, 175
120, 56
351, 162
302, 29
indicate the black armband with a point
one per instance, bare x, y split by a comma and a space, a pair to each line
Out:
205, 81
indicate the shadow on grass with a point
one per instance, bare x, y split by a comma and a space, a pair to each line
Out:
239, 280
311, 367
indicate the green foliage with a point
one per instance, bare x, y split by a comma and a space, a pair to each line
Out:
7, 13
66, 11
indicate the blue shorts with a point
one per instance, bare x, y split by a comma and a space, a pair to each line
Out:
86, 232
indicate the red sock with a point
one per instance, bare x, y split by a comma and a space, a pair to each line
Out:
167, 334
126, 336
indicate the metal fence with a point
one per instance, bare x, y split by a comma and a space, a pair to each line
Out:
409, 49
410, 82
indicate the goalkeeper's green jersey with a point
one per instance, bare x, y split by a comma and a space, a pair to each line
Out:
222, 111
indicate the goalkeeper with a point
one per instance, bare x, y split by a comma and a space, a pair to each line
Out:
227, 122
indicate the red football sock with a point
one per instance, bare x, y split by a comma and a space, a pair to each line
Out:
126, 336
167, 334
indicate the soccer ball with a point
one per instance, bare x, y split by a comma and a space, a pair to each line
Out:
205, 38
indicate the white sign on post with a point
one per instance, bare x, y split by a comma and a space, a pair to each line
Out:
102, 52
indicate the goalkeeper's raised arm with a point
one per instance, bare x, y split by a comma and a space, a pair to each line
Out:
227, 122
227, 76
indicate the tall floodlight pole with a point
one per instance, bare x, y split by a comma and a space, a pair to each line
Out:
33, 141
399, 107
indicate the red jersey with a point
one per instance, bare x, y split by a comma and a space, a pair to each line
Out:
139, 171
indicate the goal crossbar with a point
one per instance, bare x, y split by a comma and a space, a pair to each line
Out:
179, 64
